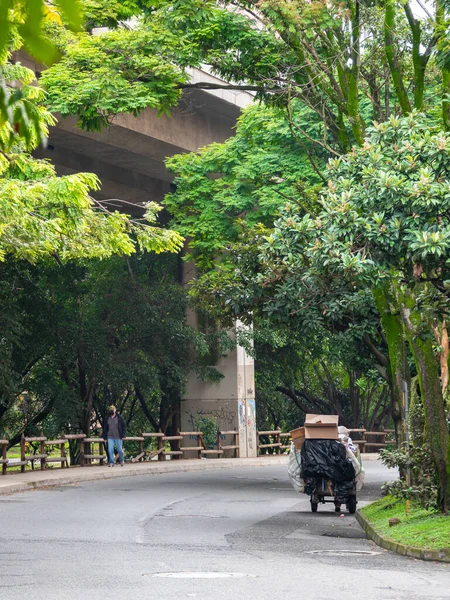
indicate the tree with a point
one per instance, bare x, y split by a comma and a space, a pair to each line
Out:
349, 62
319, 373
226, 200
44, 215
22, 23
120, 71
26, 19
93, 334
239, 185
384, 224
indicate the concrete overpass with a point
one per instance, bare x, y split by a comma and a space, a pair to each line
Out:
128, 157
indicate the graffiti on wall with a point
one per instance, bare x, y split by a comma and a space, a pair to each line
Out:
251, 424
226, 418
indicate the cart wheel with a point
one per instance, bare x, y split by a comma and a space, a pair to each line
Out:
314, 506
351, 504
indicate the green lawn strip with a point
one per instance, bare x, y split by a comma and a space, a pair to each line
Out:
420, 528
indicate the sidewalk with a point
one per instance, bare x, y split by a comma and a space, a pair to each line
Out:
21, 482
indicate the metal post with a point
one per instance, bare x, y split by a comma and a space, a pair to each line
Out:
406, 417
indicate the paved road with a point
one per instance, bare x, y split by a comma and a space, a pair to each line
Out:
220, 534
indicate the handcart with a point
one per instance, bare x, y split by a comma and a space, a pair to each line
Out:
323, 466
328, 474
323, 490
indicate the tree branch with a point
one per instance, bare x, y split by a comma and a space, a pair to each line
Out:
42, 414
145, 408
381, 358
293, 396
206, 85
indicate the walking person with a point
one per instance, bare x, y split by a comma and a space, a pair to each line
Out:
114, 430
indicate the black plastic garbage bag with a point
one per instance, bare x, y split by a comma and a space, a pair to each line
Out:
342, 490
327, 459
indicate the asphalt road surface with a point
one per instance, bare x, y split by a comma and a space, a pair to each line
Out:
221, 535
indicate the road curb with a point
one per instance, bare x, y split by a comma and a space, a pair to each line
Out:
410, 551
86, 474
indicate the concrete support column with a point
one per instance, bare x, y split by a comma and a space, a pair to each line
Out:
231, 401
246, 404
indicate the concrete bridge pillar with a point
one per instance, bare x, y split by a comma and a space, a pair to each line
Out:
230, 401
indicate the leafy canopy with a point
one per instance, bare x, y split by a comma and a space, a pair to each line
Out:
239, 185
115, 72
42, 214
387, 204
26, 19
107, 326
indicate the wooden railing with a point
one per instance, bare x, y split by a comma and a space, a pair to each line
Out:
372, 440
280, 442
92, 450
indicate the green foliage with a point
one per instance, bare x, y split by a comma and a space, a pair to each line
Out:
226, 189
387, 202
112, 73
384, 212
424, 484
348, 62
418, 527
23, 118
208, 426
44, 215
26, 18
228, 40
83, 336
299, 373
108, 13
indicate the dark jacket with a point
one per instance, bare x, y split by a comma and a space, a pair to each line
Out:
122, 427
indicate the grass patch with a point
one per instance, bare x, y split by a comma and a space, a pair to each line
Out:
420, 528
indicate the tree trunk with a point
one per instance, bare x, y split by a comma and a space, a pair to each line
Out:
442, 24
441, 335
398, 372
392, 57
432, 398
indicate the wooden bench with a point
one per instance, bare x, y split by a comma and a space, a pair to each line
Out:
359, 432
160, 443
198, 449
377, 445
173, 438
141, 452
369, 435
288, 437
74, 437
89, 457
360, 443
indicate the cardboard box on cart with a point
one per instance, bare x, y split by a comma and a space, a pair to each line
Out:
321, 427
298, 437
